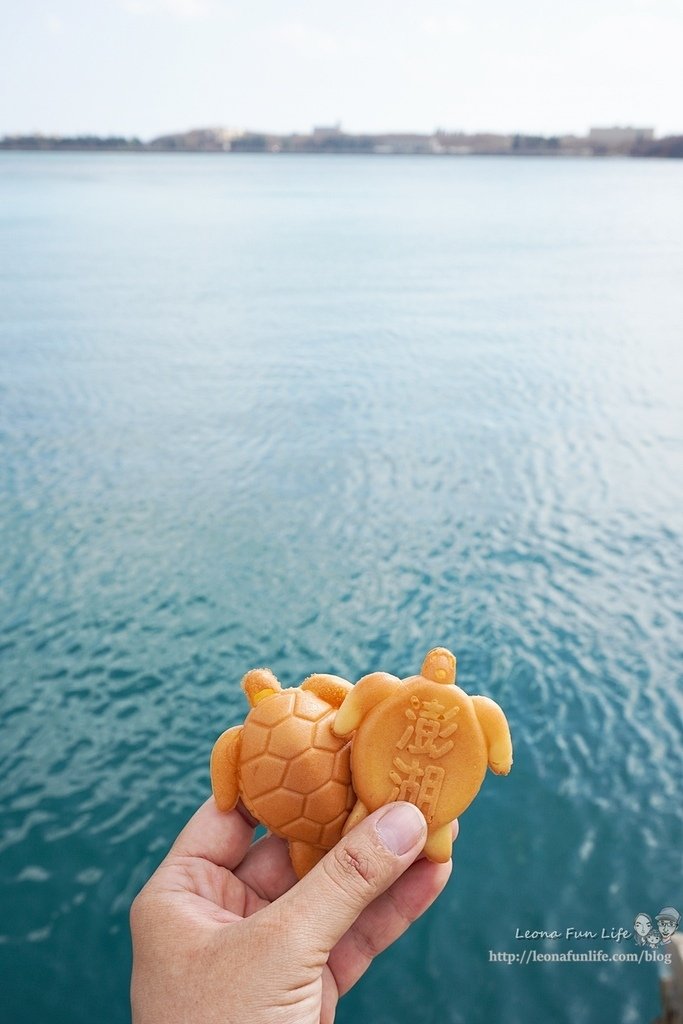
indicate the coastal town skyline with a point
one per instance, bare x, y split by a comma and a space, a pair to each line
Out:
605, 141
147, 68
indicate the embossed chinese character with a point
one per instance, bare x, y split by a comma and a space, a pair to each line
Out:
430, 790
430, 722
418, 785
407, 788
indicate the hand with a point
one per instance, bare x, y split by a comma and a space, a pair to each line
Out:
223, 931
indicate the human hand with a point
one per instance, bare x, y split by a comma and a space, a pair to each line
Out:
224, 932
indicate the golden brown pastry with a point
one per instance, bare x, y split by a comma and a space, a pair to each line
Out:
424, 740
291, 771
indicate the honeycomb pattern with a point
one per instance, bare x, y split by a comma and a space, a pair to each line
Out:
295, 773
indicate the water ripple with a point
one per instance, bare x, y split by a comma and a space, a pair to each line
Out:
441, 409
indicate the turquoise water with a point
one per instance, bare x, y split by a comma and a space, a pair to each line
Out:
323, 413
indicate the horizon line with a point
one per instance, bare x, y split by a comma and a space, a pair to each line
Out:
334, 128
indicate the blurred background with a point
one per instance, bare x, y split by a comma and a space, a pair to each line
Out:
324, 410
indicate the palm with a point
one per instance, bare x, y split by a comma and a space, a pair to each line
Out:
216, 874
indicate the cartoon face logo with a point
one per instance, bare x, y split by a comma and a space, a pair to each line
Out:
642, 926
667, 922
647, 934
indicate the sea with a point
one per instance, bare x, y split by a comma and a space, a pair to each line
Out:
323, 413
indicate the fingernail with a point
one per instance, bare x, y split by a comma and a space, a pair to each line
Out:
400, 828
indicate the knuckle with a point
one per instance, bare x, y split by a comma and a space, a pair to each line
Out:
403, 909
353, 867
367, 944
137, 911
143, 910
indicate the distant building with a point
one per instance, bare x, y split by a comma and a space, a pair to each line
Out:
480, 144
323, 133
619, 138
403, 142
198, 140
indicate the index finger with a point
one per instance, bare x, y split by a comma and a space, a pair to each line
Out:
221, 837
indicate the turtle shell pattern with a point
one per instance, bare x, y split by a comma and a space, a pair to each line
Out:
295, 774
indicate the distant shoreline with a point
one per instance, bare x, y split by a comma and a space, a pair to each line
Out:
600, 142
560, 157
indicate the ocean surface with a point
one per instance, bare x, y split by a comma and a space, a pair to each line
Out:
323, 413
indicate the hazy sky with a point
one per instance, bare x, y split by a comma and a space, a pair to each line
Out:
150, 66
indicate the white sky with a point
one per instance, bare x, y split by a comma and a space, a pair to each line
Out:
150, 66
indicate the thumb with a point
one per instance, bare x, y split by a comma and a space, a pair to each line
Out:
327, 901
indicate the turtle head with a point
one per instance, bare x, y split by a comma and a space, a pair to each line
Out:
260, 683
439, 666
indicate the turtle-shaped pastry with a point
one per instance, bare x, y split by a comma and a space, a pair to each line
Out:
424, 740
291, 771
